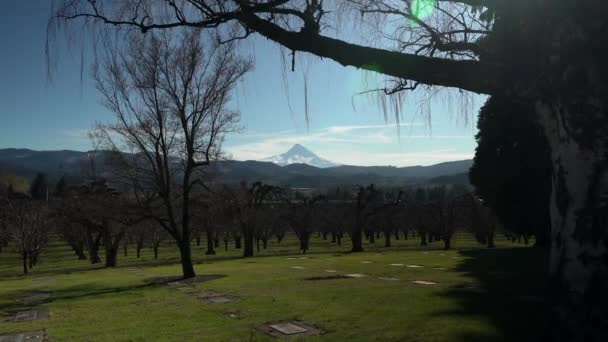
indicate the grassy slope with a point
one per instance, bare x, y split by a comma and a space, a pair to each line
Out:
92, 304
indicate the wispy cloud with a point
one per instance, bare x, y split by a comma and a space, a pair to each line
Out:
358, 145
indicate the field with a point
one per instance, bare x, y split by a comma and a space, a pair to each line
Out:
479, 295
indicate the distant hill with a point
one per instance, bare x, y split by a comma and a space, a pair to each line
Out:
458, 178
75, 164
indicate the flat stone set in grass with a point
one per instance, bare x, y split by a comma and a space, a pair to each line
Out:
207, 295
26, 311
31, 336
290, 328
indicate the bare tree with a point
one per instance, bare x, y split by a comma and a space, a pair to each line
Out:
170, 98
303, 215
247, 203
29, 224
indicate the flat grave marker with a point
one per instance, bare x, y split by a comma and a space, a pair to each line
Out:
29, 315
397, 265
471, 289
297, 267
414, 266
355, 275
31, 336
233, 314
366, 262
424, 282
535, 299
206, 294
331, 271
289, 329
389, 278
221, 299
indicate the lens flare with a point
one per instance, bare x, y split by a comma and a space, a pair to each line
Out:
422, 9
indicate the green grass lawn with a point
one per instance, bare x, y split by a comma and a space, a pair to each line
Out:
90, 303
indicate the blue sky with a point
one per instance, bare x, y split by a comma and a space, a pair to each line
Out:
343, 127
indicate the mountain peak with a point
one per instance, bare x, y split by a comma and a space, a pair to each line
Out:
299, 149
299, 154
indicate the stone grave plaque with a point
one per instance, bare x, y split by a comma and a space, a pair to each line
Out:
389, 278
288, 328
221, 299
282, 329
331, 271
424, 282
398, 265
355, 275
30, 315
472, 289
37, 297
303, 258
366, 262
291, 258
536, 299
440, 268
32, 336
205, 294
297, 267
414, 266
441, 254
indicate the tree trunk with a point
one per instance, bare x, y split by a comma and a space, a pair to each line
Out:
397, 234
248, 237
186, 258
210, 246
304, 239
265, 243
125, 250
333, 237
237, 242
578, 136
111, 255
357, 240
140, 245
24, 257
372, 237
155, 247
339, 239
387, 238
423, 239
198, 240
447, 242
490, 240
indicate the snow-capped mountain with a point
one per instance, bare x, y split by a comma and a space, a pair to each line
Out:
299, 154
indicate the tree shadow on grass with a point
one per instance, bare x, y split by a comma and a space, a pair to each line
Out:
12, 301
508, 290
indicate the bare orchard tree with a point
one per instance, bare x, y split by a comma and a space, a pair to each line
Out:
303, 215
248, 203
29, 224
170, 96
